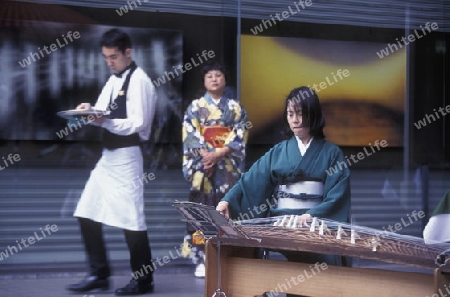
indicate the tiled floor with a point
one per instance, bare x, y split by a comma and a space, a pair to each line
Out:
166, 284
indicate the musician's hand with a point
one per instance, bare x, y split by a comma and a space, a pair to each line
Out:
303, 220
222, 207
84, 106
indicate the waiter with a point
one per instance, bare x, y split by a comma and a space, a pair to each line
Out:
112, 195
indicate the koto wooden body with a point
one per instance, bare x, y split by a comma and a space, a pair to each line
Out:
391, 250
233, 271
241, 275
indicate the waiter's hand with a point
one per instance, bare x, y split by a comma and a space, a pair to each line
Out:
84, 106
303, 220
99, 120
222, 207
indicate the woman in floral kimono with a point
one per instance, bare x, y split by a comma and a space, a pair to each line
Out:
214, 138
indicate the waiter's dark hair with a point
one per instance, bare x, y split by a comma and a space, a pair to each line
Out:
116, 38
306, 99
214, 66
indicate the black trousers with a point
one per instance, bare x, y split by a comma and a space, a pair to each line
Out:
138, 247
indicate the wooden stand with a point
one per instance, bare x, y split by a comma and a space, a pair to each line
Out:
244, 276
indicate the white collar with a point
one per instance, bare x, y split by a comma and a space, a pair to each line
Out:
303, 147
123, 74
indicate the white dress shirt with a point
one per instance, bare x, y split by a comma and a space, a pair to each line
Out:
141, 103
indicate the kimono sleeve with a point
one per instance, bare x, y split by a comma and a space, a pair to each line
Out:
250, 196
237, 138
336, 198
192, 142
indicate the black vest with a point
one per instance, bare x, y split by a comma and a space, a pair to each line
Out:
118, 108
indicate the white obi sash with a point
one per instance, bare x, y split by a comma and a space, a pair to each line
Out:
300, 195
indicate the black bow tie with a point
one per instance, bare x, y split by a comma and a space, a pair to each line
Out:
119, 74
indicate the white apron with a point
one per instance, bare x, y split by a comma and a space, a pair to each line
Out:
114, 193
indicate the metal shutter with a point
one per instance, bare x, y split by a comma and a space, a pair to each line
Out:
379, 14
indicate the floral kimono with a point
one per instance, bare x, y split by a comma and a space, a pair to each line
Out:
210, 126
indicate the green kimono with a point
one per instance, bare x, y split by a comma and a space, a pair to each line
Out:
252, 196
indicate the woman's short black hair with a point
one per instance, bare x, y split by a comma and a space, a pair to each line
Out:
116, 38
214, 66
306, 99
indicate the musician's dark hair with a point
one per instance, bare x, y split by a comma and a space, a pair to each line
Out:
306, 99
116, 38
211, 65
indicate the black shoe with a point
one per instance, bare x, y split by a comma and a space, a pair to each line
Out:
90, 283
136, 288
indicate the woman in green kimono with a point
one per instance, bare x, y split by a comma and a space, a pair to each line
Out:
295, 176
214, 139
